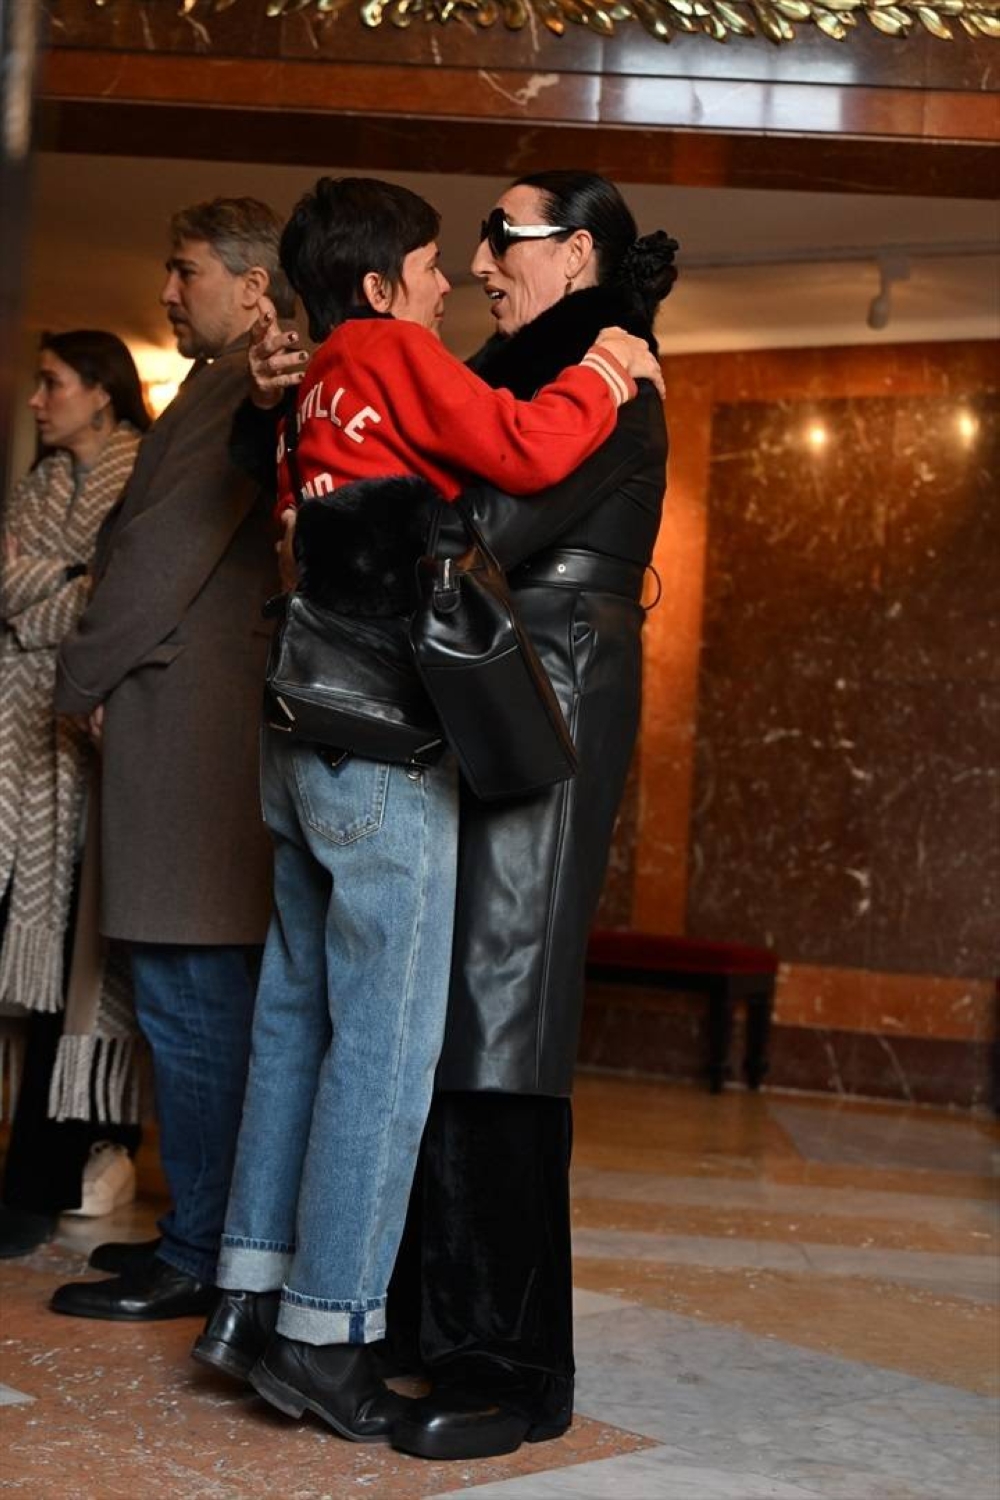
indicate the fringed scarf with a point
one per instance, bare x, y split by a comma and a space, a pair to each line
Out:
52, 522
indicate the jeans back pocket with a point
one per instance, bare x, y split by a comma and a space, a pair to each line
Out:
342, 802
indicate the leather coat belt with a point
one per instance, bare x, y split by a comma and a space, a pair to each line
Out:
573, 569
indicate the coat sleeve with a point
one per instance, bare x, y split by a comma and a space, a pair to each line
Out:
160, 558
253, 442
46, 622
452, 416
517, 528
27, 580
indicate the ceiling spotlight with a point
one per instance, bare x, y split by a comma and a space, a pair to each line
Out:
890, 269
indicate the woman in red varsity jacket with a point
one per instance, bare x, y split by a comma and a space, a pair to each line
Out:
353, 991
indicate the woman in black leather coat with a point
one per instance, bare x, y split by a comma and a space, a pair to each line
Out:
483, 1285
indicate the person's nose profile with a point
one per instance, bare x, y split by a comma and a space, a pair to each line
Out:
482, 261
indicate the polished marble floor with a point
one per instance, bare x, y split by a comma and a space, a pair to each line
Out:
779, 1297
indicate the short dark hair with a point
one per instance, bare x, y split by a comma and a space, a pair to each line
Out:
243, 232
344, 228
101, 358
641, 265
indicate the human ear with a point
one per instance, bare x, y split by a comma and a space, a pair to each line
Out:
255, 284
579, 253
377, 292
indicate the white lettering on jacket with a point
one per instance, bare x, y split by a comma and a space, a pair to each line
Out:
353, 430
312, 409
321, 484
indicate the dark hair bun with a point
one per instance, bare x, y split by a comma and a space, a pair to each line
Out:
648, 267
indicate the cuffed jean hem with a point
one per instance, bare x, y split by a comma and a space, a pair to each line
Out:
312, 1324
253, 1267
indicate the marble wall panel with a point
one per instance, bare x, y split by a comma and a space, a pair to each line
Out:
934, 822
615, 906
662, 1034
925, 1005
847, 734
915, 1070
779, 849
940, 581
632, 1029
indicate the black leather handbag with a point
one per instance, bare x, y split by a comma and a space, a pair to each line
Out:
482, 673
343, 681
348, 684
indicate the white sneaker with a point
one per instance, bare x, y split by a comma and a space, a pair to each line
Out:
108, 1181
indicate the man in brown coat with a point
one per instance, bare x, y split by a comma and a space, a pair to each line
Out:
168, 663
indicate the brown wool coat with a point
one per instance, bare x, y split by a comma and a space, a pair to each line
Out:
172, 642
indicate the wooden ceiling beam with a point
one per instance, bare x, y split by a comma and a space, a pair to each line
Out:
375, 116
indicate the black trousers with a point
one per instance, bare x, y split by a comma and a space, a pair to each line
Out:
482, 1290
45, 1158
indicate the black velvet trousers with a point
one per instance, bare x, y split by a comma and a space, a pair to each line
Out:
482, 1293
45, 1158
43, 1172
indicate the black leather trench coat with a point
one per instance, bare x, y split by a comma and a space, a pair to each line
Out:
530, 871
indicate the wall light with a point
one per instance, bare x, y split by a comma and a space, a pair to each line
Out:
161, 371
967, 426
159, 394
817, 436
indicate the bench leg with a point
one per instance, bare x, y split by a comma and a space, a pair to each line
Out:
759, 1008
719, 1025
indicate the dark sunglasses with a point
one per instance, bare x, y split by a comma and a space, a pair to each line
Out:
500, 234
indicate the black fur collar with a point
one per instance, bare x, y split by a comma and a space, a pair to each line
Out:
558, 337
357, 548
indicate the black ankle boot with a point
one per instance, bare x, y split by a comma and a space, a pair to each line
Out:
337, 1382
237, 1332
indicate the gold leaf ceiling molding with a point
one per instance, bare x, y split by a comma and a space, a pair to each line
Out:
719, 19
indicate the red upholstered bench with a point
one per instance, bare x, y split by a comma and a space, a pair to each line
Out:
726, 972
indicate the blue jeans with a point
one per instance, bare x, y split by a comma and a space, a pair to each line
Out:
347, 1031
195, 1008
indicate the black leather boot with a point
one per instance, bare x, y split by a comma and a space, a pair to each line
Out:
119, 1256
237, 1332
455, 1423
336, 1382
150, 1294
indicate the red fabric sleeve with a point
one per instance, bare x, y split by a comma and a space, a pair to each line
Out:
450, 415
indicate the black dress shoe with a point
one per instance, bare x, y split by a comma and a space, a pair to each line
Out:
336, 1382
121, 1256
458, 1424
237, 1332
22, 1230
151, 1293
